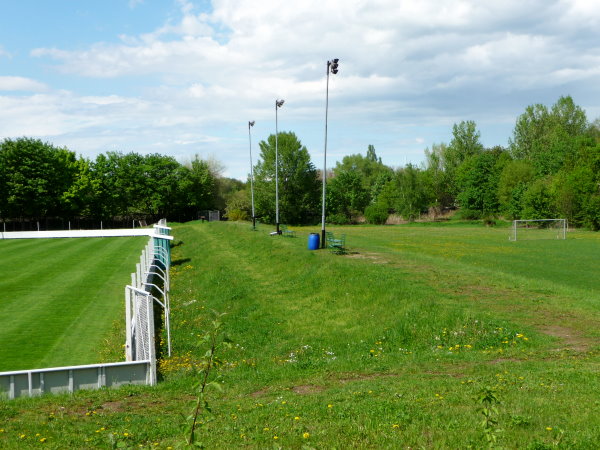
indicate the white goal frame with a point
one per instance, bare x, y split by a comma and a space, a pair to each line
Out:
561, 229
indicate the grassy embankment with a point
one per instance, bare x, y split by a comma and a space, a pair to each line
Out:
392, 345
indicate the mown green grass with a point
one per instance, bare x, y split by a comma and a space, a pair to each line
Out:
59, 297
385, 347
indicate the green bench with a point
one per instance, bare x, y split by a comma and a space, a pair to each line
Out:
336, 245
285, 231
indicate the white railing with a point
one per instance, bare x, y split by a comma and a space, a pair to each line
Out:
81, 233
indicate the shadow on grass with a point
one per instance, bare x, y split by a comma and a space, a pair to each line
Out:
179, 262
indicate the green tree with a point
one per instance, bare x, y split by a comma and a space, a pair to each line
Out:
34, 177
82, 189
119, 179
478, 179
197, 187
572, 190
464, 144
592, 212
239, 206
545, 137
443, 162
299, 187
438, 178
134, 185
225, 189
346, 196
412, 199
163, 185
513, 183
370, 169
538, 201
406, 193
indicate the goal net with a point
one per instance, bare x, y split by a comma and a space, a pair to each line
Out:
538, 229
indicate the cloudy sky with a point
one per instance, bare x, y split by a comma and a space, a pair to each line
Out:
183, 77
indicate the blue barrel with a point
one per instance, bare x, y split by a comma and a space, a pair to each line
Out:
313, 241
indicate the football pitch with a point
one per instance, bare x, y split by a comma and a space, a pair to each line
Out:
60, 297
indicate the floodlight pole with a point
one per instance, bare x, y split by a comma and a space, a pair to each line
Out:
278, 104
251, 124
332, 66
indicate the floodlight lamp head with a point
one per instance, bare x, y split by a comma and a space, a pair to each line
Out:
279, 103
333, 65
251, 123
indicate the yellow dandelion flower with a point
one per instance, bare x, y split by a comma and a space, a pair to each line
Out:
395, 426
42, 440
275, 437
306, 435
296, 418
330, 406
548, 428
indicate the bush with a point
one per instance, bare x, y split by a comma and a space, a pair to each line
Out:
489, 220
468, 214
376, 214
338, 219
237, 214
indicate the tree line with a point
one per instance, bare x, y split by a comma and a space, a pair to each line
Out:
550, 169
39, 180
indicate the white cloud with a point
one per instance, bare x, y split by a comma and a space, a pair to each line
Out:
8, 83
242, 41
403, 63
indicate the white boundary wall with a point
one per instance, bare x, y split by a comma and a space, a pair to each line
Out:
23, 383
29, 383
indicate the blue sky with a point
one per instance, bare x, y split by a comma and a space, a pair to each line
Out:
183, 77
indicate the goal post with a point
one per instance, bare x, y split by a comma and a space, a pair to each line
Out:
538, 229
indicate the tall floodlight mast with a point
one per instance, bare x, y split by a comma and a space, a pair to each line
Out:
332, 66
278, 104
251, 124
